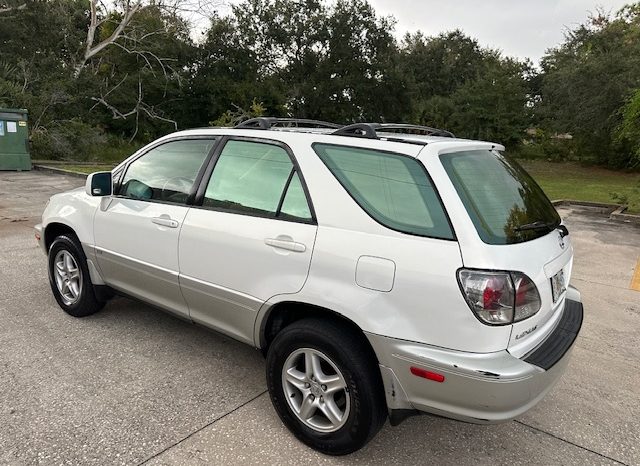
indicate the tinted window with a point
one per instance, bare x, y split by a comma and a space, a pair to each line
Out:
499, 196
295, 204
394, 189
167, 172
251, 177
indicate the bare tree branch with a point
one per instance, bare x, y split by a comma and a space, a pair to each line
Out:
90, 49
139, 108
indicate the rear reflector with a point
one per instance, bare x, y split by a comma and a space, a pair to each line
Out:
38, 236
425, 374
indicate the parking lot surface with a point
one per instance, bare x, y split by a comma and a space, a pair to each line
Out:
132, 385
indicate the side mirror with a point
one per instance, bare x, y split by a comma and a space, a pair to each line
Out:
99, 184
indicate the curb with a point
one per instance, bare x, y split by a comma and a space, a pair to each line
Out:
59, 171
615, 212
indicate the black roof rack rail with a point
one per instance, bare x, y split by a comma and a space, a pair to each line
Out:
418, 129
271, 122
363, 130
370, 130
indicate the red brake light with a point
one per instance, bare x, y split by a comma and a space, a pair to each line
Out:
491, 294
499, 298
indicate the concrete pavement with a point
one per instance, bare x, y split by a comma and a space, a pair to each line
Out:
132, 385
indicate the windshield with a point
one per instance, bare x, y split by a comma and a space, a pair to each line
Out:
505, 204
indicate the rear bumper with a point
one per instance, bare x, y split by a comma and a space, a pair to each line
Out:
477, 387
39, 235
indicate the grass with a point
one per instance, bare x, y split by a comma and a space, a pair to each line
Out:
86, 168
568, 180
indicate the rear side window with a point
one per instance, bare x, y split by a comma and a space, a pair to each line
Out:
257, 179
505, 204
294, 204
393, 189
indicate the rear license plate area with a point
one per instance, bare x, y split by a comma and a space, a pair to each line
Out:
558, 286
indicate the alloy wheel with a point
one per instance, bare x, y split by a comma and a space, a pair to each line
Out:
316, 390
68, 277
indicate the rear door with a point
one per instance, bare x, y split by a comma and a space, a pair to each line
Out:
249, 237
136, 231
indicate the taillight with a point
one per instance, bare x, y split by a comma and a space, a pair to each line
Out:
527, 297
499, 298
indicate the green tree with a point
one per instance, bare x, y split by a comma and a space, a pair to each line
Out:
628, 133
327, 61
457, 85
227, 76
587, 80
437, 66
136, 87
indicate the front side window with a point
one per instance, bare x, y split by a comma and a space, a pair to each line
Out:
166, 173
505, 204
257, 178
393, 189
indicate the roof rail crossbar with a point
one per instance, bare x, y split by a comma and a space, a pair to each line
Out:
363, 130
271, 122
370, 130
426, 130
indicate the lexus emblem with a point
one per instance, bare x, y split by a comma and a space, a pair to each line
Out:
561, 240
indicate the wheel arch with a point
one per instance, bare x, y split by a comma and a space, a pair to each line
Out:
281, 314
55, 229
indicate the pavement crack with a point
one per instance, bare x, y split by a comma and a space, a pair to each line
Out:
200, 429
602, 284
569, 442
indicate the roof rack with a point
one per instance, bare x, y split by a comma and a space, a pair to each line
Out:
271, 122
417, 129
363, 130
370, 130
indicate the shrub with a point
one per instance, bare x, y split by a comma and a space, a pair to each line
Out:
66, 140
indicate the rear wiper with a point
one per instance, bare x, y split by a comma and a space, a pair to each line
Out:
539, 225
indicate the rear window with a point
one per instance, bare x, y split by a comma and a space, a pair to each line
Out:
393, 189
505, 204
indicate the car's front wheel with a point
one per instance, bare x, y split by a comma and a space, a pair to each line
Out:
69, 278
326, 386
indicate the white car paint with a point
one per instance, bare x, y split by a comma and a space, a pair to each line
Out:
135, 240
226, 271
227, 263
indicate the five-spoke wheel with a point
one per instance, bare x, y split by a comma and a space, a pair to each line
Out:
316, 390
325, 384
69, 277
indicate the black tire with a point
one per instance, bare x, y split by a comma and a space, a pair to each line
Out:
86, 303
356, 363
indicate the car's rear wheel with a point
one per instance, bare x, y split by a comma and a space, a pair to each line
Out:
326, 386
69, 278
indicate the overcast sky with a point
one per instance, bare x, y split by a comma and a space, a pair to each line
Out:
520, 28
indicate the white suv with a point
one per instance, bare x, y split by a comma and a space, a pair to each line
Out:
382, 269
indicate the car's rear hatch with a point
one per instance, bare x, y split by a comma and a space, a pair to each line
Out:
510, 225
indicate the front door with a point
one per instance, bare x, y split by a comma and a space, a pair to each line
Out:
250, 237
137, 230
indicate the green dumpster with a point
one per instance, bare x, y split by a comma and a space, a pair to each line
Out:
14, 140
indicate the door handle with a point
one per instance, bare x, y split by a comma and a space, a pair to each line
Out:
287, 244
165, 221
